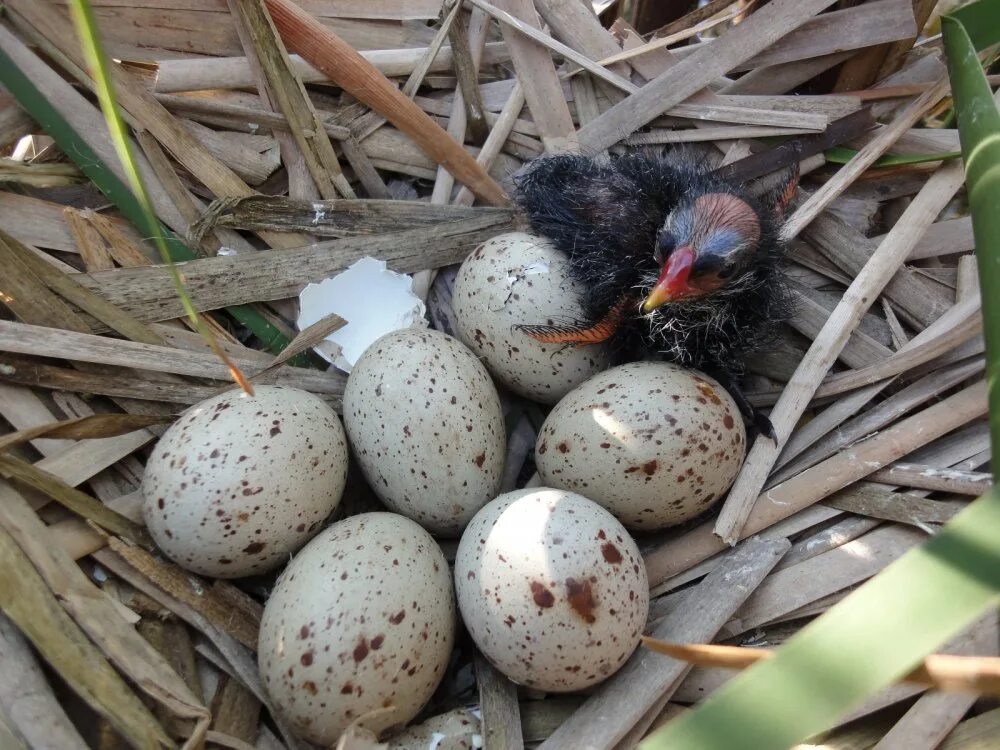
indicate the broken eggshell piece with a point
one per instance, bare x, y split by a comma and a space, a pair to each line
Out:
360, 624
551, 588
520, 279
372, 299
652, 442
425, 422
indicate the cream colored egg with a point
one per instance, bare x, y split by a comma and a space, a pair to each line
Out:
239, 482
425, 423
652, 442
360, 623
551, 588
520, 279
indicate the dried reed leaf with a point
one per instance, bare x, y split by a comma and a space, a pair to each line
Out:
326, 51
240, 624
972, 674
96, 614
824, 479
27, 700
286, 90
875, 501
857, 299
26, 599
79, 502
307, 339
83, 428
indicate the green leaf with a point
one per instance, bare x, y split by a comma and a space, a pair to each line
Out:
878, 633
981, 21
35, 103
867, 641
842, 155
979, 133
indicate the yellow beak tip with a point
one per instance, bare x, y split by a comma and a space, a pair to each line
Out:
651, 304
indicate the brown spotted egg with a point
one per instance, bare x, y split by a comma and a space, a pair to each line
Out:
652, 442
360, 623
425, 423
239, 482
551, 588
520, 279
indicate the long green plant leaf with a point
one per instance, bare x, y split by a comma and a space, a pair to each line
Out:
979, 133
842, 155
86, 27
878, 633
981, 22
35, 103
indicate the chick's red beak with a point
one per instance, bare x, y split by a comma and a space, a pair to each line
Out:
673, 282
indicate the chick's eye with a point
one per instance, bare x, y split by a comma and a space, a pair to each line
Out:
665, 244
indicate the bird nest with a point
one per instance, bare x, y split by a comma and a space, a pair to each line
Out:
278, 151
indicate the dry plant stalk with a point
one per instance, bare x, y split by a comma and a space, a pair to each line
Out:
627, 698
825, 348
27, 601
823, 479
338, 60
98, 615
285, 88
947, 672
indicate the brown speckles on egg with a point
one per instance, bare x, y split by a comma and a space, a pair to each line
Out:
350, 638
541, 595
360, 652
432, 447
520, 279
581, 599
237, 492
534, 606
656, 424
610, 553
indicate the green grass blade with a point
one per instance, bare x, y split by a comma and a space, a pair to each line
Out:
981, 22
35, 103
979, 133
842, 155
86, 27
867, 641
878, 633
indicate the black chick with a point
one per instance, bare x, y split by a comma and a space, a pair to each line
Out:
677, 263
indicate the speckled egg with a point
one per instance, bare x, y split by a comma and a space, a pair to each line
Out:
652, 442
520, 279
360, 623
425, 423
239, 482
551, 588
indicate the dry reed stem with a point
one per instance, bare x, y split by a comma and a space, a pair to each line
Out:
327, 52
98, 615
26, 698
828, 343
948, 672
823, 479
34, 609
624, 700
697, 70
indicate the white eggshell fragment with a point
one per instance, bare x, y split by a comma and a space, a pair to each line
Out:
652, 442
520, 279
425, 423
360, 623
239, 482
551, 588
